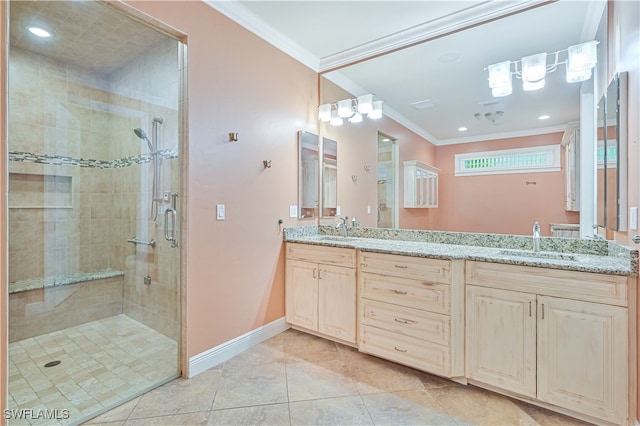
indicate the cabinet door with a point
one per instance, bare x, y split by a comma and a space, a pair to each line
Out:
501, 339
582, 357
301, 294
337, 302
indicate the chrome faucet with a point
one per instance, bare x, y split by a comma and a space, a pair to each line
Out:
343, 225
536, 237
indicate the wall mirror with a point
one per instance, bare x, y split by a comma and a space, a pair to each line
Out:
329, 177
439, 87
308, 183
612, 156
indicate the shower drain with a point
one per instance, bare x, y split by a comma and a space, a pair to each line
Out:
52, 363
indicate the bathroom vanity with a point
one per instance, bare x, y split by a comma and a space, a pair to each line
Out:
555, 328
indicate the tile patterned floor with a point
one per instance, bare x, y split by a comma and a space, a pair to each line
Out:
298, 379
102, 363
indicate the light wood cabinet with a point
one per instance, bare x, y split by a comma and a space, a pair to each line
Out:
501, 339
420, 185
411, 311
570, 351
320, 290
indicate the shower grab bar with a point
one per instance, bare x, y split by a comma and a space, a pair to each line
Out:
135, 240
170, 234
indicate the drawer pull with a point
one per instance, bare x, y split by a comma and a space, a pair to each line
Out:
315, 272
399, 292
399, 349
401, 266
404, 321
427, 283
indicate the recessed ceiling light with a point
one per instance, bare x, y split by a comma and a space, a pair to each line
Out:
40, 32
462, 129
544, 117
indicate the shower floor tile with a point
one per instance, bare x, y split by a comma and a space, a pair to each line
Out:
102, 363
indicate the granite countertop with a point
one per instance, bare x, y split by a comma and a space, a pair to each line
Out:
606, 264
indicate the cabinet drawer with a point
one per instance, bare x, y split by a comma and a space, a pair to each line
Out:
337, 256
423, 325
586, 286
424, 295
406, 350
431, 270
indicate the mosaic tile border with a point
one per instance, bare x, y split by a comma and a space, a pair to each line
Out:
61, 160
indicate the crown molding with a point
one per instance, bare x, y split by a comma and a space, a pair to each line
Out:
504, 135
354, 89
465, 18
247, 19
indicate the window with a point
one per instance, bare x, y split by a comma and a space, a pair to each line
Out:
519, 160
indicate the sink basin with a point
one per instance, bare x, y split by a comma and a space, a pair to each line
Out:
336, 238
538, 254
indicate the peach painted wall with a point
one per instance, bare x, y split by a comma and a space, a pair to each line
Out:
4, 346
357, 148
624, 55
500, 203
236, 83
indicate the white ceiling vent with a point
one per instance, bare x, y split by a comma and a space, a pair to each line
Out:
426, 104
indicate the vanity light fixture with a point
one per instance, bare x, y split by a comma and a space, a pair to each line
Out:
351, 109
532, 69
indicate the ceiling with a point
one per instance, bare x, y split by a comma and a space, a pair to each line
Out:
87, 34
326, 35
446, 66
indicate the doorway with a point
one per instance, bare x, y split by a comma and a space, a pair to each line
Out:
387, 181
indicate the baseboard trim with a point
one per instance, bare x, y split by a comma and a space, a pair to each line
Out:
219, 354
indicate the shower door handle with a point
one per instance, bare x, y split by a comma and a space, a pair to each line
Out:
170, 214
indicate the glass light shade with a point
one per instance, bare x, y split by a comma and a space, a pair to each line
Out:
582, 56
534, 68
324, 112
365, 104
336, 120
504, 90
376, 110
356, 118
578, 76
500, 74
529, 86
345, 108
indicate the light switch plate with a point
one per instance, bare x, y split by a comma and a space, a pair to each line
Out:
368, 209
338, 213
293, 211
633, 218
220, 212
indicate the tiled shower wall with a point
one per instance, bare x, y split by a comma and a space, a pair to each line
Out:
76, 125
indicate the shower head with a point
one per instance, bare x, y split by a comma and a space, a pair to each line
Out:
142, 135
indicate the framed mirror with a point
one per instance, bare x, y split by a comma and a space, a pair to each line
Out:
612, 156
308, 183
329, 177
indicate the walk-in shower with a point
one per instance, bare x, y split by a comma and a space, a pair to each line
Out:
94, 314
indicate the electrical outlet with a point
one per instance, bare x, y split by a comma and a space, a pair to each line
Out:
633, 218
220, 213
338, 211
368, 209
293, 211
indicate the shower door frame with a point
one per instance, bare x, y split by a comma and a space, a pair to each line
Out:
144, 18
